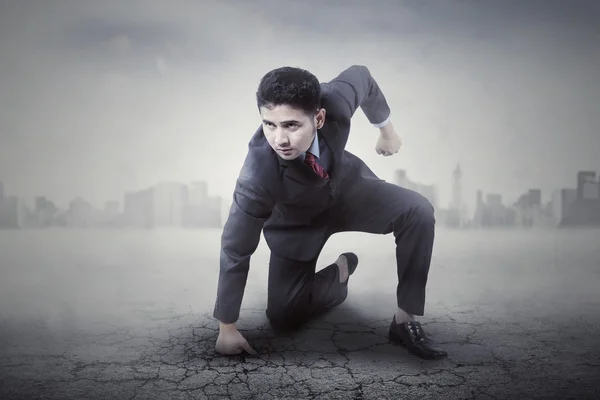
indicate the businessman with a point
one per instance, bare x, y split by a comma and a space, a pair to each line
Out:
299, 186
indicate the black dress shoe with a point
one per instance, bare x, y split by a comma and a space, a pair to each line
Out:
411, 335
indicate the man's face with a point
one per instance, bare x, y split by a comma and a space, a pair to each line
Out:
290, 131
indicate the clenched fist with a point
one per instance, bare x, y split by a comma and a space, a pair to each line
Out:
389, 142
230, 341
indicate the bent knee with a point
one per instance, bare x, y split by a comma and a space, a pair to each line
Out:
424, 210
419, 211
424, 213
284, 323
282, 319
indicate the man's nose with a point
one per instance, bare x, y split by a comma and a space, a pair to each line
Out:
281, 137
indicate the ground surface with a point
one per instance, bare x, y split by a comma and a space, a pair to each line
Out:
127, 315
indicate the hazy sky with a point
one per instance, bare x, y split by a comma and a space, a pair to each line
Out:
100, 97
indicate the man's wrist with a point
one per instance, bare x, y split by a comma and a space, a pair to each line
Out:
383, 123
387, 131
226, 327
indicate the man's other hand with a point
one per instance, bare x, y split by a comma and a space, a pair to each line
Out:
230, 341
389, 142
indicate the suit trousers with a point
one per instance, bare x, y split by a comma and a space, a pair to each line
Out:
296, 293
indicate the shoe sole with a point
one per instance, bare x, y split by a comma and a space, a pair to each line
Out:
352, 260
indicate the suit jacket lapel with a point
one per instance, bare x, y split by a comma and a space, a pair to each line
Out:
329, 134
298, 171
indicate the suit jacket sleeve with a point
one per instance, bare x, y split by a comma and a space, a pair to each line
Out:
357, 88
250, 208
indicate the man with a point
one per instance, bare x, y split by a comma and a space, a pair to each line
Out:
300, 186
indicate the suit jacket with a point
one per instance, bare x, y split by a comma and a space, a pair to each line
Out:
287, 199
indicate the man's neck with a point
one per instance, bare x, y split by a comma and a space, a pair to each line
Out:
314, 146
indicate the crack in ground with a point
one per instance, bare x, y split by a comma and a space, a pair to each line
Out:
354, 361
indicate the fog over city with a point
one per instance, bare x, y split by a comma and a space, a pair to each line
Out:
98, 98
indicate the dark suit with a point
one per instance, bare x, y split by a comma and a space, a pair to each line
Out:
298, 211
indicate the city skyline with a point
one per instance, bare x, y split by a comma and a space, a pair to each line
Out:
163, 204
191, 205
440, 200
98, 99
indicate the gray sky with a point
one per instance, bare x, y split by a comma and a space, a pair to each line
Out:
100, 97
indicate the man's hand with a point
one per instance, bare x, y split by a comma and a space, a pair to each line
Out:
230, 341
389, 142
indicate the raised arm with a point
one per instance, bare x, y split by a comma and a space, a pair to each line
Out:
251, 207
358, 88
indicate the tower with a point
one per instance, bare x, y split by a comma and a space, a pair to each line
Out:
456, 213
457, 188
586, 185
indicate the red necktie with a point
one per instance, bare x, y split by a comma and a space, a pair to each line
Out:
311, 161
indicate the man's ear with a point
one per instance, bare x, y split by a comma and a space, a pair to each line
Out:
320, 118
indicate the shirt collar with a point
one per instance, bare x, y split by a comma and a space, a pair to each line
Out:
314, 148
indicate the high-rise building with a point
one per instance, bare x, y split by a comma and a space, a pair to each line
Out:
479, 209
457, 188
456, 214
198, 193
534, 198
137, 209
12, 212
44, 211
493, 200
586, 211
203, 211
170, 200
563, 201
80, 213
587, 185
529, 209
589, 190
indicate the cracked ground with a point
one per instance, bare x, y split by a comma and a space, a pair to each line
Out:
127, 315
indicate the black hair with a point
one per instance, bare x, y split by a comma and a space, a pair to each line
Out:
293, 87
